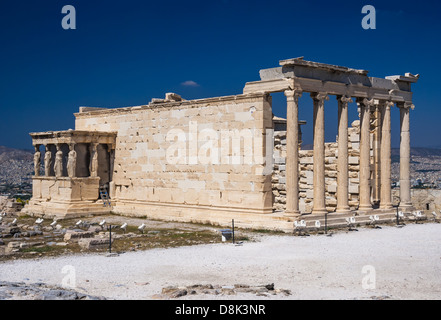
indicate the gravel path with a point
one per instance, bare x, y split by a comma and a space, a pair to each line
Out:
406, 262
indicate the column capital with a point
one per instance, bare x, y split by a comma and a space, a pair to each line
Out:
319, 96
293, 94
344, 99
365, 101
386, 103
406, 105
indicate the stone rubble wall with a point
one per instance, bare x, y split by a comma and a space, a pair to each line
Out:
306, 161
423, 199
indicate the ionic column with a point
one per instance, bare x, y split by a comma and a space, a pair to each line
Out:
93, 167
292, 152
376, 161
365, 170
405, 196
342, 160
319, 204
385, 152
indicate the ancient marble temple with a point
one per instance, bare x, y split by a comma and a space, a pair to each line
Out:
211, 160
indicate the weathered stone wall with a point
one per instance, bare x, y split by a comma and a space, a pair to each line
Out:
145, 175
422, 199
306, 160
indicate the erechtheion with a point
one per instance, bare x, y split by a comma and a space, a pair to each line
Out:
217, 159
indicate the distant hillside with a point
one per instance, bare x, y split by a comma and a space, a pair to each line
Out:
419, 152
16, 167
425, 152
7, 154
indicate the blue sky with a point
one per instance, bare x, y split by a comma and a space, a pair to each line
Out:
124, 53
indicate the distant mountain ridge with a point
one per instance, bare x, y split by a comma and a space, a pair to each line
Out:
422, 152
7, 154
416, 152
16, 169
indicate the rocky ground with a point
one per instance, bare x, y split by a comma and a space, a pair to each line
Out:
387, 263
22, 236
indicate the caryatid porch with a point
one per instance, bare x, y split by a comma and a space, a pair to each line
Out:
296, 77
76, 164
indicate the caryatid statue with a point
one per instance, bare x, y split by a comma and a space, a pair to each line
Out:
47, 161
71, 161
93, 167
58, 166
37, 160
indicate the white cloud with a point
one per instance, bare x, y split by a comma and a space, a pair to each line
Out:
189, 83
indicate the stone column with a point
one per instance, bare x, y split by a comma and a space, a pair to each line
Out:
405, 196
376, 159
342, 160
385, 151
319, 204
365, 150
292, 152
93, 167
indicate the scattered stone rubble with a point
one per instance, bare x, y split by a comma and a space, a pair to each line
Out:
9, 206
20, 235
173, 292
40, 291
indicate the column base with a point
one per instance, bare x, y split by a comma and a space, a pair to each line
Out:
386, 206
365, 208
319, 211
294, 214
342, 210
406, 208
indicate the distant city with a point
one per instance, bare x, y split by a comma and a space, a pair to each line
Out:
16, 170
425, 171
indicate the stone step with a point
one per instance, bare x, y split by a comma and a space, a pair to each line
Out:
360, 220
